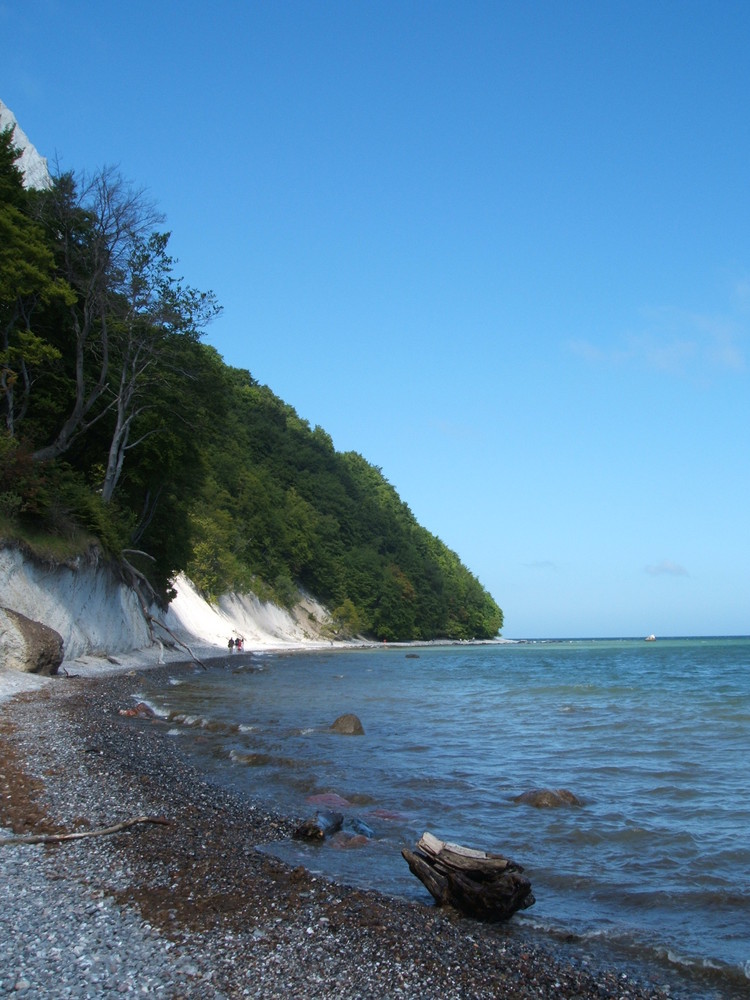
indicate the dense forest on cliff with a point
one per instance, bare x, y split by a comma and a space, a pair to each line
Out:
121, 425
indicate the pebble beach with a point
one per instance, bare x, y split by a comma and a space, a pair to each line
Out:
188, 907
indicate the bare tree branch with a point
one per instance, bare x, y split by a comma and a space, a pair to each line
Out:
56, 838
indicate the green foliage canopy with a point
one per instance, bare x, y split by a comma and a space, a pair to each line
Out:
294, 507
119, 421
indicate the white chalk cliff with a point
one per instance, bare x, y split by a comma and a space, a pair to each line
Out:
97, 614
34, 167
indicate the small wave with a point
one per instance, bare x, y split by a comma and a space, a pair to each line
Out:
250, 759
702, 977
730, 981
185, 719
257, 759
191, 721
141, 699
677, 959
672, 792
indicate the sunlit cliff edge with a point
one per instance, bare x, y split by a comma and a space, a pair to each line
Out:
99, 615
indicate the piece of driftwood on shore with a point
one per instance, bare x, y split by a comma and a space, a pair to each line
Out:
479, 884
57, 838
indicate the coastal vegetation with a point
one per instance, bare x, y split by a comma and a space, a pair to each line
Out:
120, 425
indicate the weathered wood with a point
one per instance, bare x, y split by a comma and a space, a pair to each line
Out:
324, 823
487, 886
56, 838
456, 856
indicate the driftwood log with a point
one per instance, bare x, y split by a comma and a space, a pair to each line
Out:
486, 886
57, 838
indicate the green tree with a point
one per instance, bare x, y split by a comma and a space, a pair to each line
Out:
140, 433
28, 281
95, 223
148, 319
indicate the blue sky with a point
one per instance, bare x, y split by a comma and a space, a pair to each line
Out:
500, 249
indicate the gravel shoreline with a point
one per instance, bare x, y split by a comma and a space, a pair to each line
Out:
192, 909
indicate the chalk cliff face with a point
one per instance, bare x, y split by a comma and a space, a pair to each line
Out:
96, 613
34, 167
85, 602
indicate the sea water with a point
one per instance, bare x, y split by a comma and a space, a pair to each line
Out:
653, 738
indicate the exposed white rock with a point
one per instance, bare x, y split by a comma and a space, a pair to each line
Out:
100, 619
260, 623
35, 170
93, 611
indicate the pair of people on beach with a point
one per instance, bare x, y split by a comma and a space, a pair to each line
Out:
235, 644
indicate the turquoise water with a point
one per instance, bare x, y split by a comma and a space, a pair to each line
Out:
652, 737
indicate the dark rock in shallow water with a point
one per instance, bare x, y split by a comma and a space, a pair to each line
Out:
29, 646
548, 798
324, 823
349, 725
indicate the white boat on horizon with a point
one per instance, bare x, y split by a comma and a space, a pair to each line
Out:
651, 638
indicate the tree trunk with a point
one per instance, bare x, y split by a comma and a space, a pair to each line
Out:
486, 886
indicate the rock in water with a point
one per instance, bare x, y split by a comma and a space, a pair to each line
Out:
349, 725
323, 824
548, 798
29, 646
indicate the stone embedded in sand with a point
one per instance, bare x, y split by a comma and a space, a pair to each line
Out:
29, 646
548, 798
349, 725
